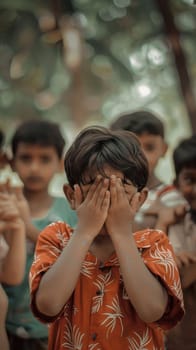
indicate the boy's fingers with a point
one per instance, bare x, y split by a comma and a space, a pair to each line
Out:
113, 190
120, 191
93, 187
186, 258
100, 191
135, 201
78, 195
106, 201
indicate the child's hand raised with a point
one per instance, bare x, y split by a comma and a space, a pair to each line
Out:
122, 208
185, 259
8, 207
93, 209
166, 216
22, 204
10, 218
16, 193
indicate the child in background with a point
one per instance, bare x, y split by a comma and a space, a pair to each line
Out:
183, 238
101, 286
150, 131
12, 249
37, 148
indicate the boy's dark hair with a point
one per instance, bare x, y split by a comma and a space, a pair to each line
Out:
96, 146
139, 122
39, 132
184, 155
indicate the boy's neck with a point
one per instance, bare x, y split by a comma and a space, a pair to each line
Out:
35, 195
39, 202
153, 181
102, 247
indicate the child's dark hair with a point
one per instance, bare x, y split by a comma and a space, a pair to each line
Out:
39, 132
95, 147
184, 155
139, 122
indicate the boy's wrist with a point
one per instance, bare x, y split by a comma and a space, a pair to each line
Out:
118, 234
86, 236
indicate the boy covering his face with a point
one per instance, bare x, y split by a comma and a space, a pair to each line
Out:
101, 286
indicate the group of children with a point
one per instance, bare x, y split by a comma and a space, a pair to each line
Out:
106, 266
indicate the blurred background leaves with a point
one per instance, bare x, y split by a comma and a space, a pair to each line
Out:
83, 62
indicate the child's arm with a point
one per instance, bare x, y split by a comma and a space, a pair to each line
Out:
31, 231
13, 265
17, 191
92, 213
145, 292
166, 216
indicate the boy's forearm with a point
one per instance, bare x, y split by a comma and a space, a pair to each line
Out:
147, 295
59, 282
14, 264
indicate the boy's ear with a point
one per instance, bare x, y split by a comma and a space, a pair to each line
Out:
143, 196
69, 193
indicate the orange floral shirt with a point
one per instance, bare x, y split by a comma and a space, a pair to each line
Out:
99, 315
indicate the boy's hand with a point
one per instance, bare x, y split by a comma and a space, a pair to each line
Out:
121, 211
185, 259
22, 204
9, 213
166, 216
16, 192
12, 226
8, 207
93, 210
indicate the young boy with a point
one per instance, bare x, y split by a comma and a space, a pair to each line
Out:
12, 249
12, 255
100, 286
37, 147
150, 131
183, 238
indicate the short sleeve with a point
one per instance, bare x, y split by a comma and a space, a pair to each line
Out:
49, 246
160, 260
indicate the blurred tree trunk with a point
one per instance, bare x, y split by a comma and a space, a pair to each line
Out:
73, 57
180, 59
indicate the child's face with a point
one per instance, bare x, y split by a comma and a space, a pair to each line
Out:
36, 165
130, 189
187, 185
154, 148
89, 179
